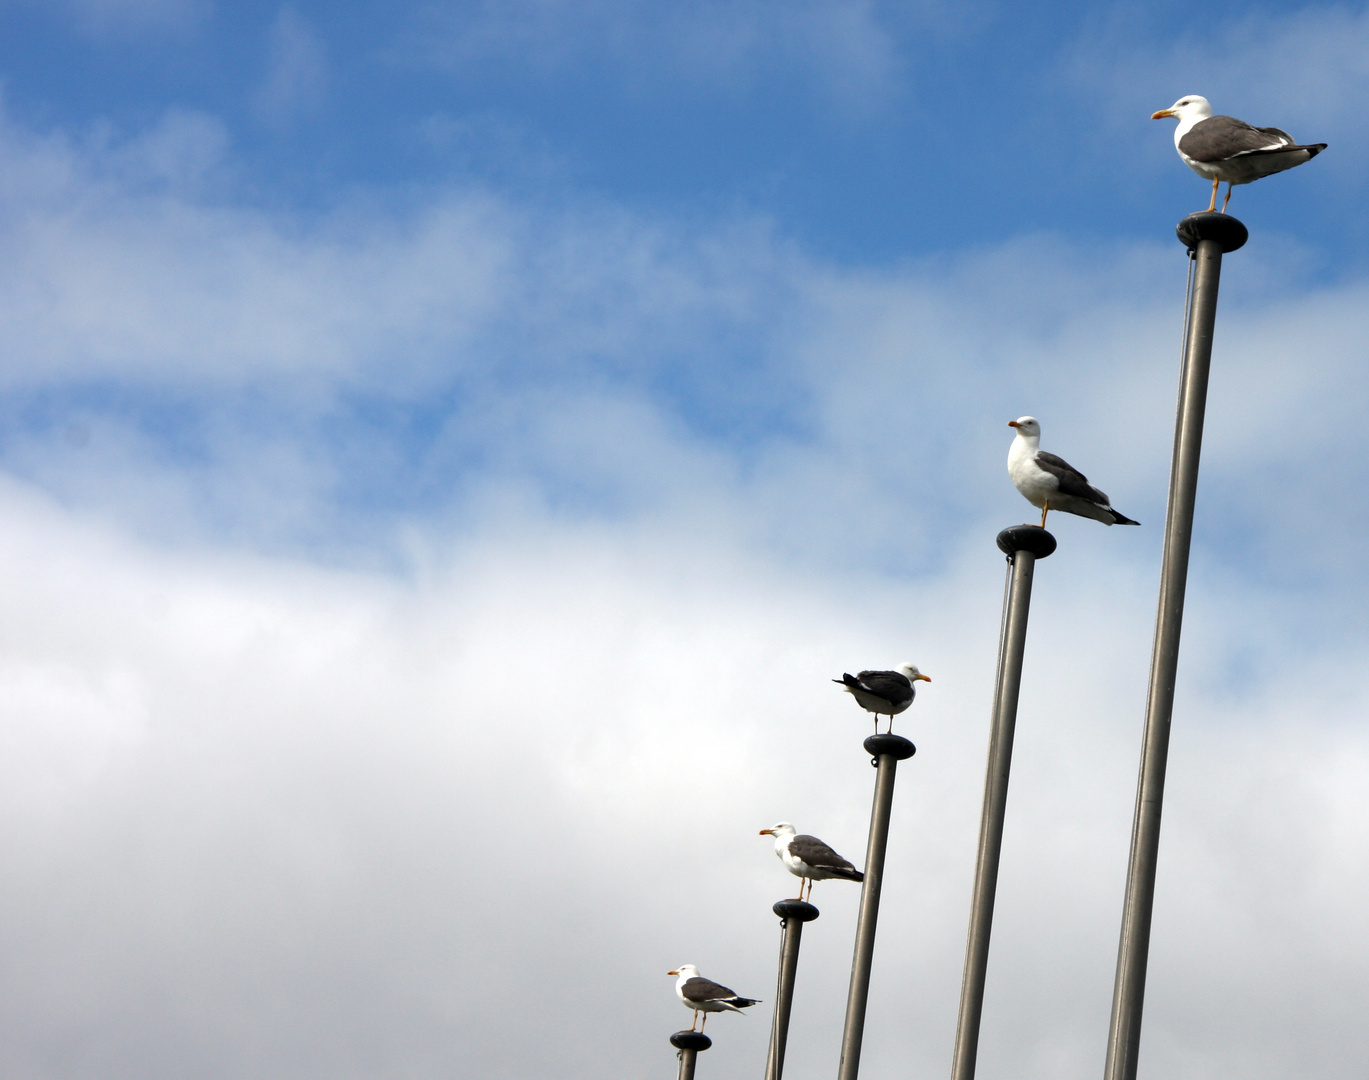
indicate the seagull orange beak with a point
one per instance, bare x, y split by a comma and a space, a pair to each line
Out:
1012, 423
766, 832
1162, 114
672, 972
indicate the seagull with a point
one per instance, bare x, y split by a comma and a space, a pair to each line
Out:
884, 693
808, 858
1051, 482
1221, 148
704, 995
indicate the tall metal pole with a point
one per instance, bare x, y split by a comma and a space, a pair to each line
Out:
1208, 236
689, 1043
888, 751
793, 914
1023, 544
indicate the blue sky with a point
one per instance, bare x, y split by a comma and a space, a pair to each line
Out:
430, 430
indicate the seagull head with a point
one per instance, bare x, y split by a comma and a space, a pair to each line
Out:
911, 669
686, 970
1027, 426
1190, 108
781, 829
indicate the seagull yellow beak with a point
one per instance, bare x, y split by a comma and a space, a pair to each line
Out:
1012, 423
672, 972
766, 832
924, 678
1162, 114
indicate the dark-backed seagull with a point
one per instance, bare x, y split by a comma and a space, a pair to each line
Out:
808, 858
1051, 482
1221, 148
884, 693
704, 995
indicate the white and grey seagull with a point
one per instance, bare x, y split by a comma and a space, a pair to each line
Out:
1221, 148
884, 693
705, 996
1051, 482
808, 858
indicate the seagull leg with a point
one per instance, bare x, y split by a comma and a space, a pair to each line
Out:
1213, 204
695, 1022
1047, 508
1228, 197
704, 1024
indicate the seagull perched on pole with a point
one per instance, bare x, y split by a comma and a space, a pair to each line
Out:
884, 693
705, 996
1221, 148
1052, 483
808, 858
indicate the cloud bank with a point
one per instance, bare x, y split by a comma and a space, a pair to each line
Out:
415, 608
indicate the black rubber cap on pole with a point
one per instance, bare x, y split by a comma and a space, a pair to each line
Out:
690, 1040
1210, 225
897, 745
799, 910
1031, 538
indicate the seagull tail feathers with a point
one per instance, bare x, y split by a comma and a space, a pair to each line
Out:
1121, 519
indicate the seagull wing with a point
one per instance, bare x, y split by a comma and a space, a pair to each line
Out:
1220, 138
891, 685
699, 990
1070, 479
818, 855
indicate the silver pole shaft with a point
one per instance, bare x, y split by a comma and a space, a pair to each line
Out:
1128, 996
1012, 645
859, 993
687, 1058
784, 998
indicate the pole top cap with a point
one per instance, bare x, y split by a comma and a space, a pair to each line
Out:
690, 1040
1031, 538
896, 745
799, 910
1210, 225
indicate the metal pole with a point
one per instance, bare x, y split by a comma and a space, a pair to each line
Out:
1023, 544
793, 914
888, 751
689, 1043
1208, 236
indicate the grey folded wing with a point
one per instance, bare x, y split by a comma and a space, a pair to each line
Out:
1220, 138
817, 854
699, 989
1069, 479
893, 686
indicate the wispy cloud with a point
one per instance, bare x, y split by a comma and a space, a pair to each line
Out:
120, 18
296, 79
593, 504
848, 50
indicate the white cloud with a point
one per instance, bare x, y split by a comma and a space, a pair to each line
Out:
121, 18
848, 50
296, 78
270, 813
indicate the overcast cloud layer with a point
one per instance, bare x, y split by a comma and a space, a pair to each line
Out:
419, 591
